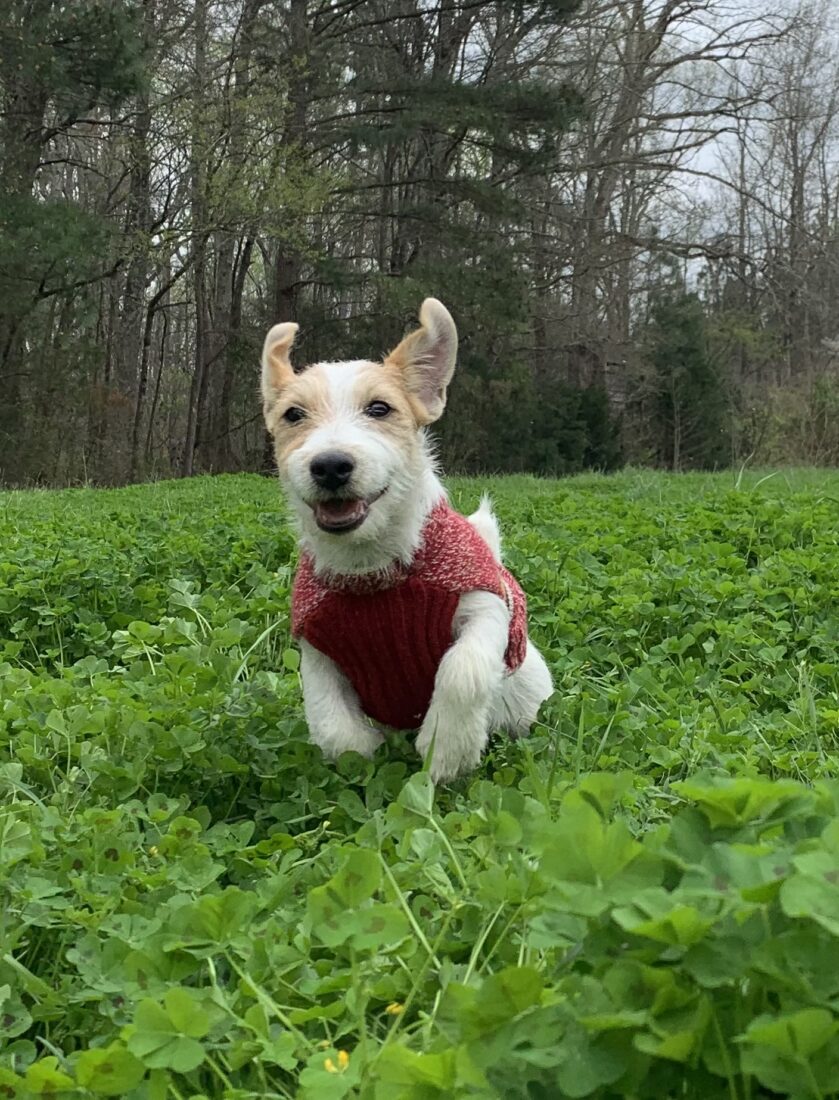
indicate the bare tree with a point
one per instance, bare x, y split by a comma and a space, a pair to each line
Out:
553, 169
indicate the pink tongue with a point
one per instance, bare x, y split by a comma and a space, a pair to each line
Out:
339, 511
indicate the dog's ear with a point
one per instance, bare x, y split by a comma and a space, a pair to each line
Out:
426, 359
277, 371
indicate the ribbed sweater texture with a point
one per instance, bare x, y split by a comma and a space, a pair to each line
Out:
388, 631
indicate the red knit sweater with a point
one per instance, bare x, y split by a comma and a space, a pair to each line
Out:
387, 632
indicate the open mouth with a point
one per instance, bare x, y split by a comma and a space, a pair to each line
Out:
340, 514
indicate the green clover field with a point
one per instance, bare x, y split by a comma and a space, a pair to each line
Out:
640, 901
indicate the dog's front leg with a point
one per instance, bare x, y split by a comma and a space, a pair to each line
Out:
335, 719
466, 687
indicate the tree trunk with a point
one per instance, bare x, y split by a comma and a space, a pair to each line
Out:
21, 140
155, 401
198, 195
214, 416
133, 325
221, 442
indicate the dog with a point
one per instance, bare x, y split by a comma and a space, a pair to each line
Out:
405, 616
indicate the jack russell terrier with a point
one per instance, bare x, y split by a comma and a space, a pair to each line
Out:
405, 615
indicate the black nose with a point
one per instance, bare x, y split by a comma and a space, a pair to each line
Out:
332, 469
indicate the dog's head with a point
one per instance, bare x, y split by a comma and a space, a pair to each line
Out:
348, 436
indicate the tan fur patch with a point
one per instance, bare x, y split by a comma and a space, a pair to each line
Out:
310, 391
379, 382
425, 360
415, 408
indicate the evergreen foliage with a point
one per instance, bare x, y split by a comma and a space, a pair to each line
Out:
691, 403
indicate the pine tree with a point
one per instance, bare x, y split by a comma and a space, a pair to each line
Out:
692, 409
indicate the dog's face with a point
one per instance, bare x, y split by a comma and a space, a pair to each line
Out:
347, 435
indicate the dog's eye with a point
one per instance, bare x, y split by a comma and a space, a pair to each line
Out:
294, 414
377, 409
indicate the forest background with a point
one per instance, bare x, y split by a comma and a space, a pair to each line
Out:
629, 206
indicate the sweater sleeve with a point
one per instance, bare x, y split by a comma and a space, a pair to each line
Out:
455, 557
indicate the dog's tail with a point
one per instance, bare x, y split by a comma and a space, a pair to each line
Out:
486, 525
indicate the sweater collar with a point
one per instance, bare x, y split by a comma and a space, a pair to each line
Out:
380, 580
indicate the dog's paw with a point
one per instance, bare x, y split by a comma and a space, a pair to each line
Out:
453, 752
359, 738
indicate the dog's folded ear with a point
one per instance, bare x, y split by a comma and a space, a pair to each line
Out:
277, 370
426, 359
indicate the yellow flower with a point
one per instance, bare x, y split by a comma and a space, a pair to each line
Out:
154, 851
395, 1009
343, 1062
